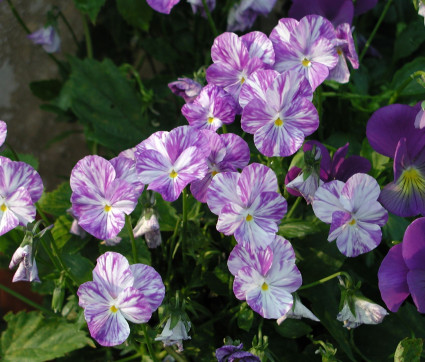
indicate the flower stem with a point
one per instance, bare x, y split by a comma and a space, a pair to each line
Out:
375, 29
175, 355
184, 195
210, 19
15, 155
148, 342
293, 207
89, 47
27, 301
403, 85
324, 280
68, 25
133, 241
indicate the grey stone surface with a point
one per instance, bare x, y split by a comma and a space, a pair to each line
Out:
21, 62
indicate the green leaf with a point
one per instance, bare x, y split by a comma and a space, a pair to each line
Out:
107, 104
167, 214
60, 231
409, 39
32, 337
300, 228
90, 7
378, 161
57, 201
395, 227
46, 90
80, 266
245, 317
413, 88
135, 12
29, 159
409, 350
293, 328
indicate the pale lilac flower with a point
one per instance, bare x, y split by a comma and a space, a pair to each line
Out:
354, 213
286, 116
266, 277
420, 117
3, 132
243, 15
210, 109
168, 161
306, 47
366, 313
119, 292
149, 227
20, 188
228, 153
247, 204
402, 271
27, 269
48, 38
186, 88
298, 311
235, 58
176, 335
230, 353
162, 6
100, 200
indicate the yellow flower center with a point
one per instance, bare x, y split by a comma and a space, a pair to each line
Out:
3, 207
352, 222
113, 309
339, 51
210, 120
242, 80
213, 173
278, 122
305, 62
173, 174
411, 179
108, 208
264, 286
248, 217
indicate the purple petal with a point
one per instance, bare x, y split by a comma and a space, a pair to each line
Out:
259, 46
125, 169
162, 6
416, 282
339, 223
18, 207
364, 5
414, 244
282, 250
93, 293
247, 279
350, 166
149, 282
229, 48
3, 132
282, 31
182, 138
237, 150
222, 191
256, 86
186, 88
248, 255
133, 305
292, 174
199, 188
327, 200
392, 276
230, 219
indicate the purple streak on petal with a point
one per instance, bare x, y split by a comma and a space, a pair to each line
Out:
125, 169
257, 114
237, 150
416, 282
162, 6
248, 255
155, 142
152, 165
222, 191
282, 250
149, 282
256, 86
247, 279
93, 293
122, 196
19, 204
282, 31
360, 189
340, 73
414, 245
326, 200
401, 159
292, 174
359, 239
229, 48
113, 272
186, 88
392, 276
3, 132
133, 305
259, 46
339, 221
230, 219
199, 188
346, 44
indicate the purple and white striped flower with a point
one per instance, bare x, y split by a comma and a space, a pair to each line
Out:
3, 132
100, 199
119, 293
247, 204
235, 58
186, 88
243, 15
282, 120
210, 109
306, 47
162, 6
265, 278
27, 269
48, 38
231, 353
168, 161
367, 312
354, 213
228, 153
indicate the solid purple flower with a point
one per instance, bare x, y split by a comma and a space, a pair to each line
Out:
402, 271
169, 161
354, 213
307, 47
162, 6
247, 204
228, 153
243, 15
211, 109
27, 269
186, 88
282, 121
100, 200
230, 353
48, 38
119, 292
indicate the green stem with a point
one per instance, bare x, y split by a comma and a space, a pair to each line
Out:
210, 19
68, 25
130, 358
42, 215
148, 342
89, 47
27, 301
349, 95
224, 128
171, 243
375, 29
133, 241
293, 207
15, 155
324, 280
403, 85
175, 355
184, 233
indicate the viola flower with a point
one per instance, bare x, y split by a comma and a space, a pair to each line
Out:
3, 132
266, 277
366, 313
176, 335
402, 271
282, 121
354, 213
228, 153
210, 109
48, 38
306, 47
20, 188
186, 88
162, 6
230, 353
235, 58
168, 161
100, 200
243, 15
247, 204
391, 132
125, 169
119, 292
27, 270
